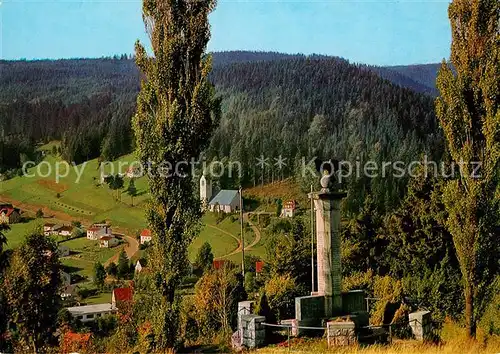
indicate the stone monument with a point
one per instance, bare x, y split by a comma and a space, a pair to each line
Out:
328, 245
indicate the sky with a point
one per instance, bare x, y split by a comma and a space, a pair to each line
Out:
385, 32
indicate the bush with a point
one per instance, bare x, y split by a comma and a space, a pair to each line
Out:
216, 300
490, 321
281, 291
205, 257
112, 269
249, 282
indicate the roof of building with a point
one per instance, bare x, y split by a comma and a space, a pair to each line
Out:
48, 225
290, 204
106, 238
259, 265
80, 310
66, 228
123, 294
146, 232
9, 210
77, 337
218, 263
69, 289
224, 197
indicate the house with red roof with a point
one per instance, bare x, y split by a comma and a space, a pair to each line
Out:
108, 241
289, 208
146, 236
9, 215
259, 267
219, 263
97, 230
121, 295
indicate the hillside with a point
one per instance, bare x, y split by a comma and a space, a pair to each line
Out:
273, 104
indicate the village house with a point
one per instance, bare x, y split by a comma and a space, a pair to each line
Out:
91, 312
219, 263
288, 210
55, 229
146, 236
97, 230
133, 172
47, 229
69, 291
121, 295
65, 230
108, 241
9, 215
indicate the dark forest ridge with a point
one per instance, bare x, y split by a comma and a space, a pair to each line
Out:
36, 74
324, 105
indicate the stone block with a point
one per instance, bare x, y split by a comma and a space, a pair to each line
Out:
294, 323
420, 323
310, 308
353, 301
341, 333
252, 331
245, 308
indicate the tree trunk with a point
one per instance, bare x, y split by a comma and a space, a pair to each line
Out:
470, 321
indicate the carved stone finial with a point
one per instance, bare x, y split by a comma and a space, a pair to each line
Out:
325, 183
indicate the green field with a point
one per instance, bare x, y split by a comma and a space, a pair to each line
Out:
17, 233
83, 197
88, 200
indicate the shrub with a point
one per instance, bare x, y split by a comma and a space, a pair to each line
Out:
281, 291
205, 257
216, 298
490, 321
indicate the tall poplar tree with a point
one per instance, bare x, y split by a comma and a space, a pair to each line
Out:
468, 112
176, 114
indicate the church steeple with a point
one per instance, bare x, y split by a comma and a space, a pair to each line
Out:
205, 190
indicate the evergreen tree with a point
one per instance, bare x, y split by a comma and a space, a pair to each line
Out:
112, 269
99, 275
123, 268
132, 190
39, 214
176, 113
205, 257
468, 110
31, 287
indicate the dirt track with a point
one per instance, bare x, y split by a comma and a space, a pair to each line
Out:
238, 249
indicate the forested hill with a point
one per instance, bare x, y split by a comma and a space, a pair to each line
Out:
327, 107
274, 104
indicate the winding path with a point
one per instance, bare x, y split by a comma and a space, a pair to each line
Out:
131, 248
255, 242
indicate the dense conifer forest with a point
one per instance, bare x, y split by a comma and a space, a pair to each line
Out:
273, 104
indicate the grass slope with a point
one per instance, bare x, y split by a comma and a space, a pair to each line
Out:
86, 199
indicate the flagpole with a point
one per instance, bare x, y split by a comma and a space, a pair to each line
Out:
312, 241
242, 236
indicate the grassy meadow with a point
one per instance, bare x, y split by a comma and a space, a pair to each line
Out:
78, 194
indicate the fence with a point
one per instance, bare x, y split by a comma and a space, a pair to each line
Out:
371, 333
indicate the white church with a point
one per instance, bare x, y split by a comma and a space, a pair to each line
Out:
226, 201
